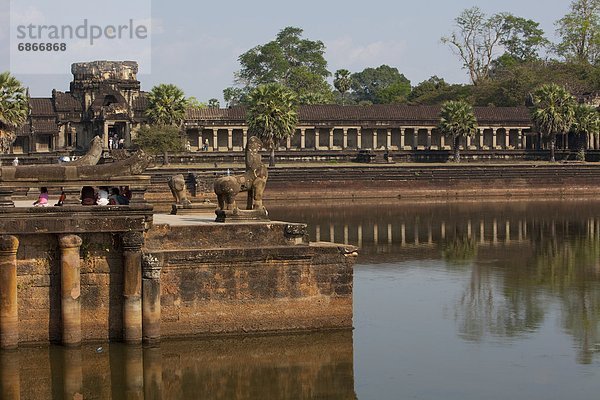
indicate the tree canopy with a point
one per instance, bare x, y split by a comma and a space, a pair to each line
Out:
289, 60
272, 115
381, 85
159, 139
457, 120
14, 108
579, 32
166, 105
552, 112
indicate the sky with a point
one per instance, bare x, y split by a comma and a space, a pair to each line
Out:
196, 44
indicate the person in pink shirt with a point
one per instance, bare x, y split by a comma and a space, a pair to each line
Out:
42, 200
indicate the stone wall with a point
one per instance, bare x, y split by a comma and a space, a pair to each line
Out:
262, 281
216, 278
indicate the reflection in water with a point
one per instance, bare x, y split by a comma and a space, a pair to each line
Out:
519, 257
291, 367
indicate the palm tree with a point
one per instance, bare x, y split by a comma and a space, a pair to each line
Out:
586, 123
272, 115
14, 108
166, 105
552, 112
342, 81
166, 108
457, 120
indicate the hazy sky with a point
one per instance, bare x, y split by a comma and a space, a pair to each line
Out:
195, 45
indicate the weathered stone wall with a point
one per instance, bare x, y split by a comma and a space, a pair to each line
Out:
216, 278
260, 282
38, 285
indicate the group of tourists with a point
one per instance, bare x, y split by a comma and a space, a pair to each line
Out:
103, 196
115, 143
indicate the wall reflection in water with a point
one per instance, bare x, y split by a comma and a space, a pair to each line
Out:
291, 367
519, 258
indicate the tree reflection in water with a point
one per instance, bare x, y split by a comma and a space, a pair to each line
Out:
521, 257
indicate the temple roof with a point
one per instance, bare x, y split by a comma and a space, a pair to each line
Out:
65, 102
41, 107
378, 112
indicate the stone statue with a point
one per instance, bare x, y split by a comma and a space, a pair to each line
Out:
93, 154
252, 181
177, 186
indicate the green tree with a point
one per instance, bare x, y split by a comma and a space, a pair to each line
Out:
14, 108
272, 115
522, 38
296, 63
234, 96
476, 41
579, 32
214, 103
552, 112
159, 139
166, 105
381, 85
194, 104
457, 120
342, 82
586, 124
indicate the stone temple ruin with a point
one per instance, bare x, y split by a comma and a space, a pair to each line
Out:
79, 273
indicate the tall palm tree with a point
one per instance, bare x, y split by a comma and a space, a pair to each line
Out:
586, 124
166, 105
14, 108
552, 112
272, 115
457, 120
166, 108
342, 82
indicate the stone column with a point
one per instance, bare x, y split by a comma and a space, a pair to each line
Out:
428, 138
70, 289
345, 141
229, 139
330, 133
374, 138
10, 375
388, 139
215, 132
302, 138
480, 132
520, 141
494, 138
200, 143
415, 138
468, 143
151, 267
442, 141
402, 133
132, 287
317, 138
506, 138
105, 135
6, 198
288, 141
9, 317
359, 138
244, 138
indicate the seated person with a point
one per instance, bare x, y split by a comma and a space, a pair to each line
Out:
61, 199
116, 198
88, 196
102, 196
42, 200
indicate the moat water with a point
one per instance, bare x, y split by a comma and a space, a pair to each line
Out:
470, 300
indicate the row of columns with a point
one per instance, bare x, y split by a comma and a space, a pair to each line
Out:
404, 144
417, 238
141, 291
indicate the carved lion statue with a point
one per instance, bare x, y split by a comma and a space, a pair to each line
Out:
252, 181
177, 186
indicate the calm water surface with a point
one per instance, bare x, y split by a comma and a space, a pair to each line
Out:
478, 300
